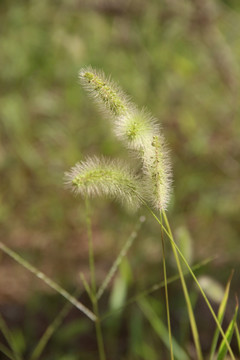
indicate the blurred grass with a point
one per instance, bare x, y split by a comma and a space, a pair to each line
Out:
177, 58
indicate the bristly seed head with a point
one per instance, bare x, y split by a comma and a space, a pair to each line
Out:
158, 173
101, 177
135, 129
139, 132
104, 92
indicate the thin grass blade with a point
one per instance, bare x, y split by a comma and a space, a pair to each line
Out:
86, 286
51, 329
154, 288
7, 352
220, 316
237, 336
8, 336
48, 281
229, 333
191, 316
120, 257
161, 330
174, 245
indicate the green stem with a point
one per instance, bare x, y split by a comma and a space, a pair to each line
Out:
94, 299
98, 328
174, 246
90, 247
186, 295
166, 291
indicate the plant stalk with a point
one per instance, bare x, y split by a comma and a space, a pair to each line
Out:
93, 298
166, 291
174, 246
186, 295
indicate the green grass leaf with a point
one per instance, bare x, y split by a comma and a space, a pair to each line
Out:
10, 339
161, 330
4, 350
220, 316
229, 333
48, 281
237, 336
50, 330
120, 258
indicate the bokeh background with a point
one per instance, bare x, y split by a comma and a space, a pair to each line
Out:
180, 60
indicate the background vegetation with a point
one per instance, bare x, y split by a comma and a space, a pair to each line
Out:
180, 59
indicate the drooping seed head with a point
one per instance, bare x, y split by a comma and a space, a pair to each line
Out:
101, 177
158, 173
104, 91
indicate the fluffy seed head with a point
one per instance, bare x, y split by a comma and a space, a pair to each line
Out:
140, 132
135, 129
101, 177
104, 92
157, 171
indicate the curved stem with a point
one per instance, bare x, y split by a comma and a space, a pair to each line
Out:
166, 291
187, 297
174, 245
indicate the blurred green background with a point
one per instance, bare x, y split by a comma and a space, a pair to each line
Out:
180, 60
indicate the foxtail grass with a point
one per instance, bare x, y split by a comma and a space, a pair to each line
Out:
141, 134
104, 177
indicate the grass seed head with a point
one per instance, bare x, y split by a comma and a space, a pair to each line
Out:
135, 129
101, 177
158, 173
105, 92
139, 132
